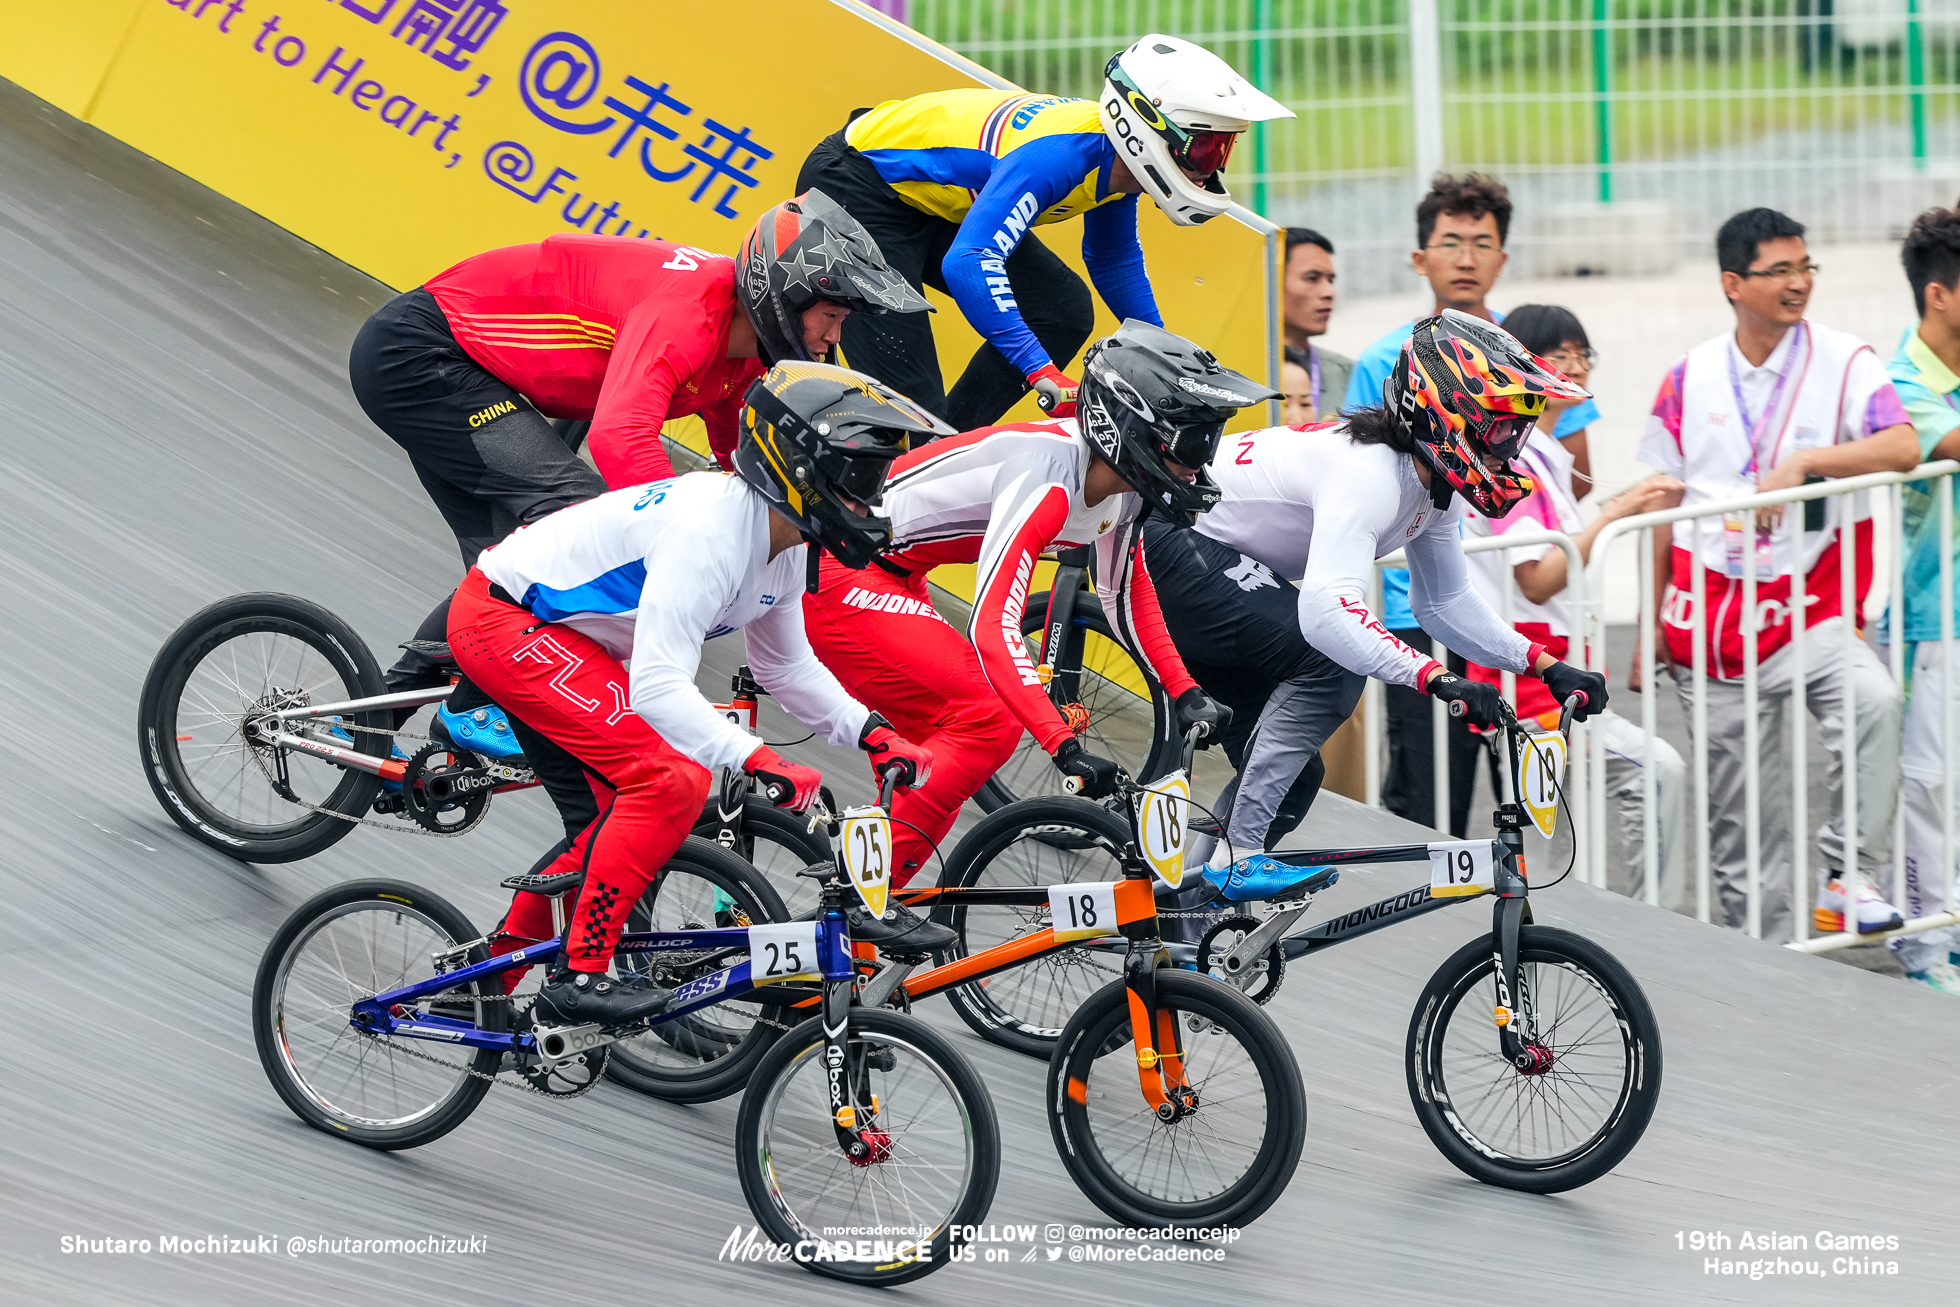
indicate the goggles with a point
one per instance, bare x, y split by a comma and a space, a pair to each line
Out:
861, 478
1194, 444
1202, 152
1205, 152
1506, 435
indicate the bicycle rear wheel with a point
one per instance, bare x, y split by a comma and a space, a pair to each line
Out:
213, 677
778, 844
938, 1173
352, 942
1222, 1164
1571, 1120
1113, 687
1036, 842
707, 1054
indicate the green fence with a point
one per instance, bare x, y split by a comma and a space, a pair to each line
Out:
1679, 111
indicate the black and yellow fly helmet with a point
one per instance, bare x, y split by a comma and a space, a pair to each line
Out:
817, 441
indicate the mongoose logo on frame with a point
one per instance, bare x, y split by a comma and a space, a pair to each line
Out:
492, 413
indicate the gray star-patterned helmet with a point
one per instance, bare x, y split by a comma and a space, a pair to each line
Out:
808, 251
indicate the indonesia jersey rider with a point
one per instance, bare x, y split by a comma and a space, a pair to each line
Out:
1319, 509
997, 165
998, 497
626, 333
704, 539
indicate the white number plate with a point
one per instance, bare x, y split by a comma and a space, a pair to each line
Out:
1540, 778
1163, 815
866, 851
782, 951
1459, 868
1084, 910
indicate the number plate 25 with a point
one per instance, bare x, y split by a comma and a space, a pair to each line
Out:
1084, 910
783, 951
866, 852
1163, 816
1460, 868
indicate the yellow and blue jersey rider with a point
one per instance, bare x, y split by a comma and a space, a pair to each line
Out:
949, 184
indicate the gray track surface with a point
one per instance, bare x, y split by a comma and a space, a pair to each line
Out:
178, 428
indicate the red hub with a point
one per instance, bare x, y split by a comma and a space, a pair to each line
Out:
1536, 1060
879, 1145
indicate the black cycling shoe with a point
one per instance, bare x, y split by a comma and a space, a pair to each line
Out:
595, 998
901, 933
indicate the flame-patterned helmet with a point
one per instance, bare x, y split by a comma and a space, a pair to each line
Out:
1469, 390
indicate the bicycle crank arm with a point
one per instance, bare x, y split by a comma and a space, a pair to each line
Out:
1254, 946
555, 1044
879, 989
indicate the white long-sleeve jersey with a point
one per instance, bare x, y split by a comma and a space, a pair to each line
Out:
652, 573
1319, 509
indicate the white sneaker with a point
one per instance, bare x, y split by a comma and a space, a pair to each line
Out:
1943, 976
1874, 913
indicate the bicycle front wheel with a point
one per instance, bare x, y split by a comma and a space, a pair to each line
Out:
1596, 1075
939, 1151
1227, 1157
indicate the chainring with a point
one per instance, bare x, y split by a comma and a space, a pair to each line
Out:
426, 794
1259, 981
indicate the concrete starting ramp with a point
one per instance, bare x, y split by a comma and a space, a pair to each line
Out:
178, 428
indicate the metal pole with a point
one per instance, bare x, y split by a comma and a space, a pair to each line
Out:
1948, 688
1799, 741
1602, 103
1439, 737
1698, 816
1262, 78
1426, 90
1752, 798
1896, 583
1650, 846
1849, 877
1916, 74
1374, 707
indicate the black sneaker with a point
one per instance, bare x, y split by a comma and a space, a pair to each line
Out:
595, 998
901, 933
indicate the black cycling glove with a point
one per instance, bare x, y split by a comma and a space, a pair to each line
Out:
1475, 702
1196, 708
1564, 680
1096, 774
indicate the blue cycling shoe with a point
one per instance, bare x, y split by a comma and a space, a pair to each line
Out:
482, 730
1262, 876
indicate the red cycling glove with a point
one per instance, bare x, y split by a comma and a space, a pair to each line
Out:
888, 748
786, 784
1054, 390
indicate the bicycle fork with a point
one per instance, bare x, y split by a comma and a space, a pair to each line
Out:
1154, 1035
1516, 1021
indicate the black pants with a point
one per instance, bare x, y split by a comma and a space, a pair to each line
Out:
897, 348
1237, 627
490, 461
1409, 786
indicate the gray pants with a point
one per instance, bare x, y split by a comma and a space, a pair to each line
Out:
1833, 658
1626, 752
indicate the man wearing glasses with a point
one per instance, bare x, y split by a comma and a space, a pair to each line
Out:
1461, 226
1776, 403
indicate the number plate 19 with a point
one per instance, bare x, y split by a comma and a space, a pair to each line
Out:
1083, 911
866, 851
1460, 868
1163, 812
1540, 778
783, 951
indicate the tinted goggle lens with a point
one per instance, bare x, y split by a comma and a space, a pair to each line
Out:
863, 479
1194, 445
1207, 152
1507, 436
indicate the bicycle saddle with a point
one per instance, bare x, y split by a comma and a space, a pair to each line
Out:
564, 882
1262, 877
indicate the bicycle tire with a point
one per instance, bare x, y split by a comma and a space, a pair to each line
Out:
273, 1033
1448, 1124
1036, 841
760, 1145
697, 1058
777, 843
174, 777
1101, 1030
1030, 773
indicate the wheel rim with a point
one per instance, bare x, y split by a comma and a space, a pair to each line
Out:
681, 899
1041, 995
1540, 1120
1202, 1155
920, 1187
357, 951
230, 679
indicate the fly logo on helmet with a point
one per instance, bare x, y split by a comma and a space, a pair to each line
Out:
1173, 111
1470, 394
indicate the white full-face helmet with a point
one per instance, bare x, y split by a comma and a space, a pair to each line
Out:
1169, 105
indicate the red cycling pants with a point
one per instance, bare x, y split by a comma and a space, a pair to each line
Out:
879, 635
568, 687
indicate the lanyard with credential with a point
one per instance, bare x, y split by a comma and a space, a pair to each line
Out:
1758, 427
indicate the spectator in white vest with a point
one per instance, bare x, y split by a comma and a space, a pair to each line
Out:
1776, 403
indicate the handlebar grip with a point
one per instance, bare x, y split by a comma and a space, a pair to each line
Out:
1458, 708
1576, 700
1073, 784
775, 794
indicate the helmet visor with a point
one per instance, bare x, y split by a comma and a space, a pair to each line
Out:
1206, 152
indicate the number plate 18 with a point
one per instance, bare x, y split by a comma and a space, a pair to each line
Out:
866, 852
1163, 814
783, 951
1460, 868
1083, 911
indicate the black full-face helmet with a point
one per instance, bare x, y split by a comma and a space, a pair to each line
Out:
1148, 397
806, 250
815, 436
